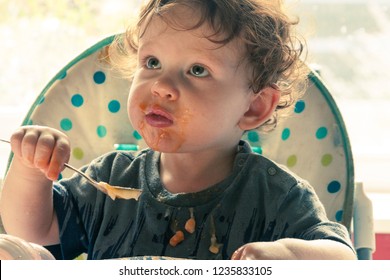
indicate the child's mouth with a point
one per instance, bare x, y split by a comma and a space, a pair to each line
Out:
159, 118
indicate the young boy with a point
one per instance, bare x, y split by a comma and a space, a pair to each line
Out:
206, 72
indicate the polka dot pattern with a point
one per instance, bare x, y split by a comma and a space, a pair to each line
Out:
334, 187
253, 136
99, 77
101, 131
114, 106
321, 133
77, 100
286, 134
66, 124
78, 153
300, 106
326, 160
136, 135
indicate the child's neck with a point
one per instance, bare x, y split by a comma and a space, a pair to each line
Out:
188, 173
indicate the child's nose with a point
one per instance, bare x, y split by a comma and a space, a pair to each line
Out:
165, 88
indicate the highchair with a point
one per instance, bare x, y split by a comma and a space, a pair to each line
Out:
87, 101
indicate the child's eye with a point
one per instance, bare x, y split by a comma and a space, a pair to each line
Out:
153, 63
199, 71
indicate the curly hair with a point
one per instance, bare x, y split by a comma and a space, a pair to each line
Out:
272, 49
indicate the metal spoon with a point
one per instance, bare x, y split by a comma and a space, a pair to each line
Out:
112, 191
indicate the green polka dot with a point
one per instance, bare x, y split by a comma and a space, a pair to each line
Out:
326, 159
286, 134
137, 135
77, 100
321, 133
66, 124
101, 131
292, 161
78, 153
114, 106
99, 77
253, 136
299, 106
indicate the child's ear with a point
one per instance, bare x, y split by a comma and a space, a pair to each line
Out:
261, 108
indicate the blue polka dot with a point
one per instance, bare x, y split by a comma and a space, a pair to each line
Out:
334, 187
299, 106
286, 134
99, 77
253, 136
339, 216
66, 124
114, 106
137, 135
77, 100
322, 132
101, 131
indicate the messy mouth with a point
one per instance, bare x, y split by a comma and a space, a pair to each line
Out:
159, 118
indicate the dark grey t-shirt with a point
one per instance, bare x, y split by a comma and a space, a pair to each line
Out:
259, 201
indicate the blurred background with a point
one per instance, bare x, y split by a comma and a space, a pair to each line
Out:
348, 43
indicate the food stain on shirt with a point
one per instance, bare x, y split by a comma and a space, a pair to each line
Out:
191, 223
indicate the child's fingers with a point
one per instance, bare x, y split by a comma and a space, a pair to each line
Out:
44, 150
28, 146
61, 154
237, 255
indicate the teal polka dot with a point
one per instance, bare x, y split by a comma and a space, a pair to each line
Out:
29, 122
253, 136
322, 132
114, 106
334, 187
60, 176
66, 124
286, 134
299, 106
339, 215
101, 131
41, 100
99, 77
258, 150
137, 135
62, 75
77, 100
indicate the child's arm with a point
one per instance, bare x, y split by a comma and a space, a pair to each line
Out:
26, 203
294, 249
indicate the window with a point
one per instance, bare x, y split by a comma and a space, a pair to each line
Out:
348, 42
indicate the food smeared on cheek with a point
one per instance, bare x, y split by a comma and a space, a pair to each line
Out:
169, 138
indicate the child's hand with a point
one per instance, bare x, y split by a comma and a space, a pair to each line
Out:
263, 251
40, 147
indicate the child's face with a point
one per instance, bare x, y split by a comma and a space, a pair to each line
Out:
188, 94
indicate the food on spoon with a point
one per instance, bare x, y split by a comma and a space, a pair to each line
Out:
120, 192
